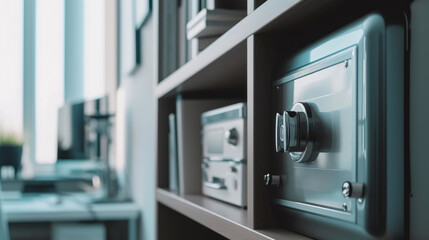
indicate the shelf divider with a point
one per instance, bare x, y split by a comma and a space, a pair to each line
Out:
260, 130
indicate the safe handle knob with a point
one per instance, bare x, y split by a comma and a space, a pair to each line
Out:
273, 180
352, 189
295, 133
232, 136
280, 132
291, 131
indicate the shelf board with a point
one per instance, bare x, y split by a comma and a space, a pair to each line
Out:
223, 63
223, 218
215, 67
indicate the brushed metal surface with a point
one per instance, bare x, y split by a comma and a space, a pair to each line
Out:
329, 86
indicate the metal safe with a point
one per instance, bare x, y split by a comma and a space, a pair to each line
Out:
338, 166
224, 167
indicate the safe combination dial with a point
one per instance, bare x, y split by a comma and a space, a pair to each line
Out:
296, 134
232, 136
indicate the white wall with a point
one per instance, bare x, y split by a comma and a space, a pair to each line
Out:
139, 119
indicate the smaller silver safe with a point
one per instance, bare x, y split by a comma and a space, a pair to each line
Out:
224, 165
338, 166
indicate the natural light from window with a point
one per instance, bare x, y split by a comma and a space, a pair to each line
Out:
11, 64
49, 76
49, 68
94, 49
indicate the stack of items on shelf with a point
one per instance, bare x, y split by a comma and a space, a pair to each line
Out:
215, 18
218, 167
191, 25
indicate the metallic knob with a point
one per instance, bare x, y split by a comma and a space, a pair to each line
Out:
204, 165
352, 190
295, 133
281, 143
232, 136
273, 180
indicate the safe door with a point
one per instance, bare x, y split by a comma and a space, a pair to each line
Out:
338, 166
318, 101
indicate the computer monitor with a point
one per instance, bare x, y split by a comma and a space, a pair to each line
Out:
71, 132
83, 130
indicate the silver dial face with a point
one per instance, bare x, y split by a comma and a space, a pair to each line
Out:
232, 136
295, 129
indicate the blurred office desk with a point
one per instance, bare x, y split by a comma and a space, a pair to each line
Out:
41, 211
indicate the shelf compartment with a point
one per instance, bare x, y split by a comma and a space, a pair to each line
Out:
223, 218
223, 63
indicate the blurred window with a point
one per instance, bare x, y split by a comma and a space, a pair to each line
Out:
49, 68
49, 85
94, 49
11, 66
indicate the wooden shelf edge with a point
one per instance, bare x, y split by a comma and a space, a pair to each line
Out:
262, 16
207, 218
216, 222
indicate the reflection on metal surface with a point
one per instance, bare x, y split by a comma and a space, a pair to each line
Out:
318, 103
